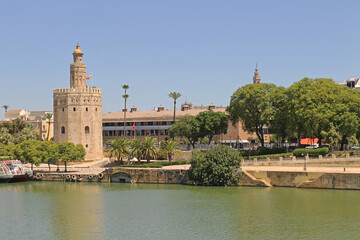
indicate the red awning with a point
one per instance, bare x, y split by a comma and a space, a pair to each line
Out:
308, 141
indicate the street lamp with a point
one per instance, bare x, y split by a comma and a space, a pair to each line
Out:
304, 153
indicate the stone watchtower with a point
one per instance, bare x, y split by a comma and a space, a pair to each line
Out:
256, 78
78, 111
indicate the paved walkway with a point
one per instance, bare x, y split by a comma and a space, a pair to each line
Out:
301, 169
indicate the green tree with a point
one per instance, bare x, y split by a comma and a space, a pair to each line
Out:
149, 149
48, 117
136, 149
332, 136
28, 133
125, 96
212, 123
29, 151
215, 168
51, 153
170, 149
188, 127
69, 152
5, 107
174, 96
252, 106
5, 137
119, 149
279, 123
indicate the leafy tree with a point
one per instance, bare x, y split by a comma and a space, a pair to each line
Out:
251, 104
69, 152
136, 149
215, 168
29, 151
174, 96
188, 127
125, 96
332, 136
212, 123
51, 153
28, 133
279, 123
5, 137
170, 148
119, 149
149, 149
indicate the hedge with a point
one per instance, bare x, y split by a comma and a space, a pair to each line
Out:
263, 151
311, 152
157, 164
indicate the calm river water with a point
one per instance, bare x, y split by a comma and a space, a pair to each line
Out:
51, 210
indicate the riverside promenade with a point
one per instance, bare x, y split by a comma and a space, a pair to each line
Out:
340, 174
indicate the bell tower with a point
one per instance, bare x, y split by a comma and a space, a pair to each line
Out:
256, 78
78, 70
78, 111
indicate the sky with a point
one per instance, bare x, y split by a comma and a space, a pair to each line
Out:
204, 49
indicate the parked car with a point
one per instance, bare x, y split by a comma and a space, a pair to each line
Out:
355, 148
313, 146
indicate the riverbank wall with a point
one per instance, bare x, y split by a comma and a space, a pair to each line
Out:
296, 179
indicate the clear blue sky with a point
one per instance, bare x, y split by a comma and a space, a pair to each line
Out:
204, 49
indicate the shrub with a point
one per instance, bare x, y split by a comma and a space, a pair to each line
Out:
216, 167
311, 152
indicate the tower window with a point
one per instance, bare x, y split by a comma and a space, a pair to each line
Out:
95, 109
87, 129
74, 109
63, 109
87, 145
87, 109
63, 130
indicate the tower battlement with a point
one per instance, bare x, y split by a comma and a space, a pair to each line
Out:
81, 90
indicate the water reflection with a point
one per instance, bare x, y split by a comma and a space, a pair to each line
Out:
40, 210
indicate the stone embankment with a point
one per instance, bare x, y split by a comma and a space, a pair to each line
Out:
341, 174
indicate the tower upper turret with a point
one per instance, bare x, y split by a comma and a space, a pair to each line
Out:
78, 70
256, 78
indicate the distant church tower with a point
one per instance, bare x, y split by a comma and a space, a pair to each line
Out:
78, 111
256, 78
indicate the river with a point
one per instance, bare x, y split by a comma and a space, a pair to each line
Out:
54, 210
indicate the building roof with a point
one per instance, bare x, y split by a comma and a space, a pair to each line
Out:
14, 111
166, 114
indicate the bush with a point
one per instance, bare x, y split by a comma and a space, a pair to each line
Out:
157, 164
311, 152
263, 151
216, 167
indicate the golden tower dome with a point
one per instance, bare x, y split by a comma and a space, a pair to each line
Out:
77, 50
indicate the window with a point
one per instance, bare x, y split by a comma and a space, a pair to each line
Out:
95, 109
87, 109
74, 109
87, 129
86, 145
63, 109
63, 130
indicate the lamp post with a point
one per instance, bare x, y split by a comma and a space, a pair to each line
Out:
304, 153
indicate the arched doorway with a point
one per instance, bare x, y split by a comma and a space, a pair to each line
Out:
120, 177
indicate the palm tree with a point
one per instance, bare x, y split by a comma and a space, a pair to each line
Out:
136, 149
5, 107
170, 148
119, 149
125, 96
175, 96
48, 116
149, 149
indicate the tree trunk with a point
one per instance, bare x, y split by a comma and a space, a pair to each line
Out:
173, 138
343, 140
65, 167
32, 167
49, 167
